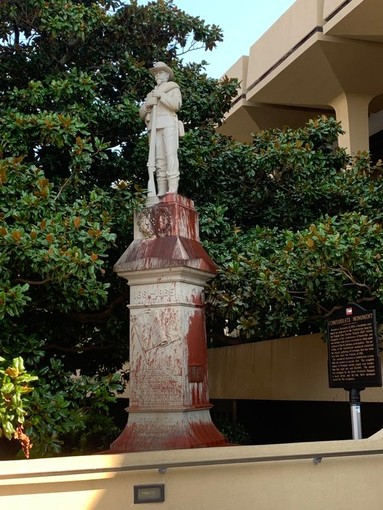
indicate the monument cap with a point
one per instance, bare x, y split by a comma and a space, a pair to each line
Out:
161, 66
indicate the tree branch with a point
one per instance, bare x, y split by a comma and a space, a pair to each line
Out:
34, 282
101, 315
16, 32
348, 274
85, 348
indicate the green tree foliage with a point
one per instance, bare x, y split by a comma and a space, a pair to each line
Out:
72, 171
14, 385
295, 227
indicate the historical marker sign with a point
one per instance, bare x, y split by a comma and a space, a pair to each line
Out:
353, 358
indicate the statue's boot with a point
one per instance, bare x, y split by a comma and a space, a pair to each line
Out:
173, 185
162, 187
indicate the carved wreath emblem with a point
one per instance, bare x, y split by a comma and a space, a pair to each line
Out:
145, 223
163, 222
155, 222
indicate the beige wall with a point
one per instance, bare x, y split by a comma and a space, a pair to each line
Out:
285, 34
330, 6
285, 369
274, 477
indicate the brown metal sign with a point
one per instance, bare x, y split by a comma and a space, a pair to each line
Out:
353, 357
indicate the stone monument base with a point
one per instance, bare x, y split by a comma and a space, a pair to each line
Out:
168, 430
167, 269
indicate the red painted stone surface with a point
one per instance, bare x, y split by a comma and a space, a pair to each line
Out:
169, 431
166, 268
165, 252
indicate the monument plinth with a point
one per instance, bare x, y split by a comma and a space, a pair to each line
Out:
167, 268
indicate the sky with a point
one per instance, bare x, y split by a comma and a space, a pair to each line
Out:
243, 22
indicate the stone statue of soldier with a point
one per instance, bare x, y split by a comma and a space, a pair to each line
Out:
159, 111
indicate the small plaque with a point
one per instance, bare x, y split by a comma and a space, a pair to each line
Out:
353, 357
149, 493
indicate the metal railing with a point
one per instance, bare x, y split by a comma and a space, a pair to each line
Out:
162, 467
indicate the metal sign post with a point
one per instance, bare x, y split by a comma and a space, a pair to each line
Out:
356, 421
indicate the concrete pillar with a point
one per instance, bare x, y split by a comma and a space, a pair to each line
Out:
167, 268
352, 111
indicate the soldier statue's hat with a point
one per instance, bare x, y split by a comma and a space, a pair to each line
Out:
161, 66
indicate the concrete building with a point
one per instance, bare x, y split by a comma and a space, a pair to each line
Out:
321, 56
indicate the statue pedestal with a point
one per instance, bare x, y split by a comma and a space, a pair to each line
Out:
167, 268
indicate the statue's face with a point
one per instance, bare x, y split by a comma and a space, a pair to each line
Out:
161, 77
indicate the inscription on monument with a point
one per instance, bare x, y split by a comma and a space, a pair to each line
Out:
165, 293
160, 389
352, 349
154, 294
155, 342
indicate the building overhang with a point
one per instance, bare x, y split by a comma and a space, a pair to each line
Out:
315, 53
